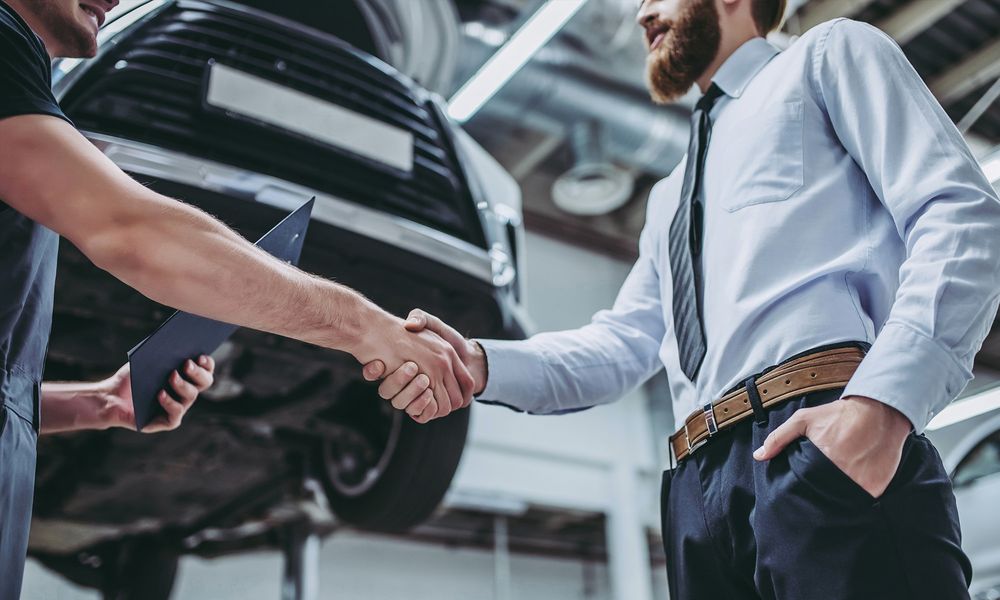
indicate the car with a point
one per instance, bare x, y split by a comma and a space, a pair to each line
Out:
246, 113
967, 435
973, 462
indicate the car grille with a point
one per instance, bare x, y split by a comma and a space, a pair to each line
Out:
150, 88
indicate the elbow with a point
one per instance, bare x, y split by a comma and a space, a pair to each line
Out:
119, 250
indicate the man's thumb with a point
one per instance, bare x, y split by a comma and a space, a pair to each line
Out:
373, 370
416, 321
785, 434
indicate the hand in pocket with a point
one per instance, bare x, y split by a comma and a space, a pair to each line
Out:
862, 437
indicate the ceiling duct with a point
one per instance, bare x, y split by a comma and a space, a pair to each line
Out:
420, 38
559, 89
593, 186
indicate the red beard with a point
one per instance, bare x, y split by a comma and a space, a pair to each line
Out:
686, 52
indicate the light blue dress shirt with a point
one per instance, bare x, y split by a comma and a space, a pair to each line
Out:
841, 204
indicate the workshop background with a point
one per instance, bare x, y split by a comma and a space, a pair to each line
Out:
563, 508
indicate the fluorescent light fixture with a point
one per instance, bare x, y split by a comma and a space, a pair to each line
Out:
509, 59
967, 408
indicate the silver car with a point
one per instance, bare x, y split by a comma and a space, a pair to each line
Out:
971, 451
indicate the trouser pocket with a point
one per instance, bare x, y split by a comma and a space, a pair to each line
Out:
821, 535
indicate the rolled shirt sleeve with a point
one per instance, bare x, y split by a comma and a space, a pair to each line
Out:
566, 371
945, 210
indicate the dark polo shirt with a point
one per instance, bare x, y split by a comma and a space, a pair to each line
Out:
27, 250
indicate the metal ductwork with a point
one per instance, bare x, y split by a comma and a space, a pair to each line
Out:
420, 38
593, 186
558, 90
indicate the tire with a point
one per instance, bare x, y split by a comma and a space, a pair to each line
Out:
420, 465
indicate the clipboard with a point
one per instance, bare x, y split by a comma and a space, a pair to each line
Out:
184, 335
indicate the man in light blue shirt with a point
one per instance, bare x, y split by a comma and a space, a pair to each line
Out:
827, 204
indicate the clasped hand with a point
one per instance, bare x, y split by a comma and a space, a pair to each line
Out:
411, 389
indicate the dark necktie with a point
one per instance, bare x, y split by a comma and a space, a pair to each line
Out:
685, 242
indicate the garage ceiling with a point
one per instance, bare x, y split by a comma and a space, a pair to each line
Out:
953, 44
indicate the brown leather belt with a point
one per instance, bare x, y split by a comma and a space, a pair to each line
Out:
824, 370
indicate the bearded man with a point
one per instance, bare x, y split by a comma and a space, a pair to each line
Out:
53, 182
816, 278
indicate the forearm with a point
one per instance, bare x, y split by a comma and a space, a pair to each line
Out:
181, 257
945, 211
598, 363
946, 302
567, 370
76, 406
169, 251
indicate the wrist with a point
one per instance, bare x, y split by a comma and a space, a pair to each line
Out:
85, 406
350, 321
103, 406
367, 337
478, 366
889, 419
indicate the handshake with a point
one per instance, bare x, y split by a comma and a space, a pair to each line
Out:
441, 372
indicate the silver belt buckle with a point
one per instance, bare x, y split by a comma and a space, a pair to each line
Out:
709, 412
713, 428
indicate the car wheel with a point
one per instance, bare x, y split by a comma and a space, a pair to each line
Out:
391, 473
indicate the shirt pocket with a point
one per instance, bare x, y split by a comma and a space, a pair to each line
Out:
765, 163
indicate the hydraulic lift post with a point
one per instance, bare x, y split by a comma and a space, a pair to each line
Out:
300, 547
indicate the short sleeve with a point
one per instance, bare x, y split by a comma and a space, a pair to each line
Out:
25, 80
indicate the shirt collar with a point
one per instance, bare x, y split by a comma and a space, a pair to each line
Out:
743, 65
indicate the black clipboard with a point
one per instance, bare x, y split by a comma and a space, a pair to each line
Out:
183, 335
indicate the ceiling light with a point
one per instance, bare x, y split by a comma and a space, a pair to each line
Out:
508, 60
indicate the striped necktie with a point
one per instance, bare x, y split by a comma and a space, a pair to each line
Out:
685, 242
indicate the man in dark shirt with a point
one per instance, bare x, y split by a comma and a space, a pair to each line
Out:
53, 182
27, 274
